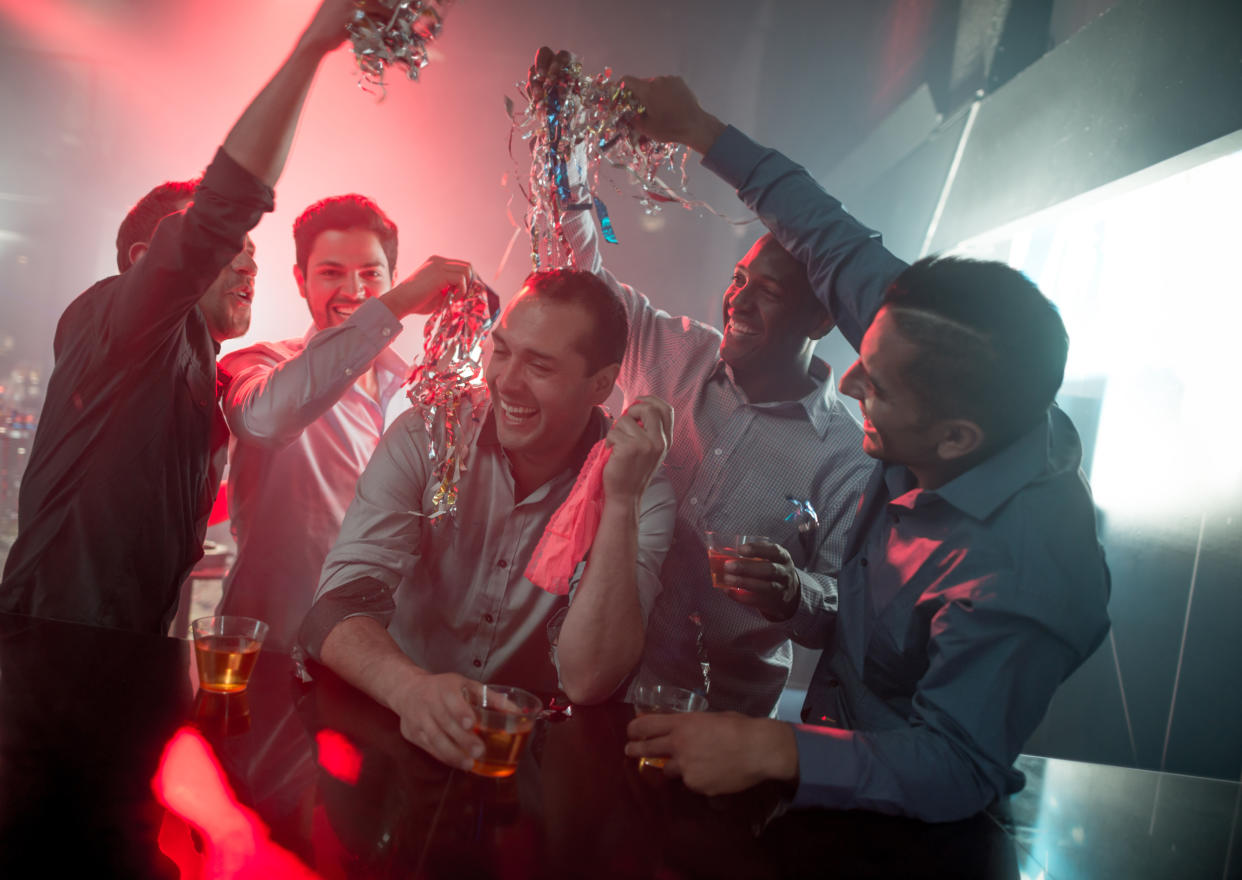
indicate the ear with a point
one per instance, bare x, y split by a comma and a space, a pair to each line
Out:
602, 383
823, 324
958, 438
136, 251
300, 279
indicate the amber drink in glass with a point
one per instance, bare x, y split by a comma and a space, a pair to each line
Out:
226, 650
504, 718
656, 699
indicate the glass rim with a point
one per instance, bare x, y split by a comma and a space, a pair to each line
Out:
478, 700
696, 699
229, 624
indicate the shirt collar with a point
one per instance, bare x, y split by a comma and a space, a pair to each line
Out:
817, 404
980, 491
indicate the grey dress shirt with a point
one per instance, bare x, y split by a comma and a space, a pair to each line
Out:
303, 431
452, 591
734, 464
961, 609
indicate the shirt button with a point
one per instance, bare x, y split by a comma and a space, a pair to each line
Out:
477, 662
488, 618
387, 331
502, 564
694, 501
864, 562
349, 371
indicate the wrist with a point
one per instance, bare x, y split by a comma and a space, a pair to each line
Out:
704, 133
779, 747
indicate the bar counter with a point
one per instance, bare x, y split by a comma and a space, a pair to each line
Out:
290, 779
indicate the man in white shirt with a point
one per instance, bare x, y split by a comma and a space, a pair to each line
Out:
306, 414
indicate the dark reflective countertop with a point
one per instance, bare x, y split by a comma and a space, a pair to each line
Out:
291, 779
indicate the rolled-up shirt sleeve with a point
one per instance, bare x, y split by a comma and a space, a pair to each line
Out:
378, 546
656, 520
186, 253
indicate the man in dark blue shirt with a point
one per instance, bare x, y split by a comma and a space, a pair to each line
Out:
126, 463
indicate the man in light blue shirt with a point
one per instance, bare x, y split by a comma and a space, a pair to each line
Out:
973, 582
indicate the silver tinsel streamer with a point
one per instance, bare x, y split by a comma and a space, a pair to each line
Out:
447, 387
394, 33
574, 117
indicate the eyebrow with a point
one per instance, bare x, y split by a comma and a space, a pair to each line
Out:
761, 277
532, 353
337, 264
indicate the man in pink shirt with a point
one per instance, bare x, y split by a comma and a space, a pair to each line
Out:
307, 413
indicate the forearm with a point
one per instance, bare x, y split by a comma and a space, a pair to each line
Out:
914, 772
362, 652
602, 637
260, 140
273, 403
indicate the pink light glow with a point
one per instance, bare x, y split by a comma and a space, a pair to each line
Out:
338, 756
191, 785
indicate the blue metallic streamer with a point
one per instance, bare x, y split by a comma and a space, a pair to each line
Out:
605, 222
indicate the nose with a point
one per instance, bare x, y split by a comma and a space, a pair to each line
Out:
500, 375
741, 297
852, 383
244, 264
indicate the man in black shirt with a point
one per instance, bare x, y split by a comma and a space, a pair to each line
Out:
126, 462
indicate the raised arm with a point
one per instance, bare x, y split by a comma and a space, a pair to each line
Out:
654, 333
848, 266
189, 250
602, 637
260, 139
272, 400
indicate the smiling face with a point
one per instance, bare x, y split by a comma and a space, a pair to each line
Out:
541, 387
895, 428
771, 315
345, 268
226, 303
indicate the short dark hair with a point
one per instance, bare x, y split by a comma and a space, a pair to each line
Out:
612, 327
139, 224
992, 348
350, 211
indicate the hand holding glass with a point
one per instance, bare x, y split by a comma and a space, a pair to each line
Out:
504, 718
656, 699
722, 548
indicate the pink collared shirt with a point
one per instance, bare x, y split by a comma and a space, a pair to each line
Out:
302, 433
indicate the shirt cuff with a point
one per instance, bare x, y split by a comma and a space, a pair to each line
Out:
734, 157
376, 319
226, 178
826, 773
365, 597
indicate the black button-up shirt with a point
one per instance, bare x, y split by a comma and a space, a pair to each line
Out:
126, 462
